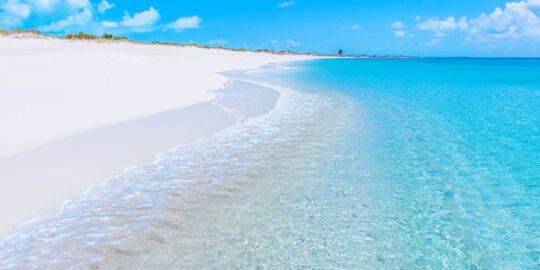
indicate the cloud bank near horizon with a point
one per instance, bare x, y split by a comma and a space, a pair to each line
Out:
518, 20
82, 15
514, 21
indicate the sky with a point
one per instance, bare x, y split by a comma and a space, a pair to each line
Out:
484, 28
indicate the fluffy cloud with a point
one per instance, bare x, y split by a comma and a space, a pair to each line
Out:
462, 24
43, 5
533, 3
108, 24
15, 8
80, 15
217, 42
401, 33
398, 25
355, 27
434, 24
79, 19
143, 19
516, 21
433, 42
185, 23
13, 12
52, 5
440, 34
78, 3
293, 43
104, 6
287, 4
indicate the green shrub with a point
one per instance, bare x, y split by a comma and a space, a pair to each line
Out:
81, 35
15, 31
191, 44
163, 43
105, 37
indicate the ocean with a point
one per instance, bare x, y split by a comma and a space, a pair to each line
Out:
362, 164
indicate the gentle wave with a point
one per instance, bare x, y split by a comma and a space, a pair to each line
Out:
134, 213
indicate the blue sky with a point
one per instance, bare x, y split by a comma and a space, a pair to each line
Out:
397, 27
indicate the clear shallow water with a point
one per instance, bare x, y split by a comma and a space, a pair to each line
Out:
456, 149
410, 163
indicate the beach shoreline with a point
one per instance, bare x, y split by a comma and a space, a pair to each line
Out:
75, 145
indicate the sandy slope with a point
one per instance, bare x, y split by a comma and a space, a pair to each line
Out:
51, 89
74, 112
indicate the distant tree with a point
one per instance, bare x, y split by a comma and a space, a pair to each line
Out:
340, 52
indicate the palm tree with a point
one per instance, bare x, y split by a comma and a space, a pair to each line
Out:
340, 51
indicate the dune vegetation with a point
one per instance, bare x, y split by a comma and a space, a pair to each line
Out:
109, 38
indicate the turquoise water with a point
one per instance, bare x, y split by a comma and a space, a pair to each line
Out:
454, 149
362, 164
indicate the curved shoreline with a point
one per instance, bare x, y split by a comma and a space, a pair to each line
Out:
143, 216
53, 89
67, 135
44, 177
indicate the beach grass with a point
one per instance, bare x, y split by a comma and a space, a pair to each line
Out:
20, 31
109, 38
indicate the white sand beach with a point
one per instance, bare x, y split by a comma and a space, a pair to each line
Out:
75, 112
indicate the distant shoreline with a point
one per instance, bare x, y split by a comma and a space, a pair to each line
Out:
110, 38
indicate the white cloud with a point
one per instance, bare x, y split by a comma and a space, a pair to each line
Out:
185, 23
78, 19
286, 4
398, 25
78, 3
53, 5
143, 19
109, 24
401, 33
15, 8
433, 42
43, 5
217, 42
462, 24
440, 34
13, 13
417, 18
273, 41
355, 27
104, 6
293, 43
448, 24
533, 3
516, 21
